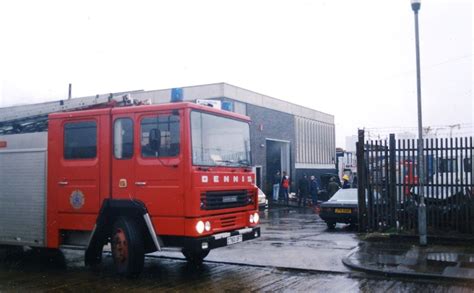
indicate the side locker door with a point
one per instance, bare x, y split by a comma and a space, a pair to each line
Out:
123, 156
78, 166
158, 164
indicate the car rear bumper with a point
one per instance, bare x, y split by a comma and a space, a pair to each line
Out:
339, 218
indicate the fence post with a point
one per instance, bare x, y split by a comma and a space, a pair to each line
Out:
392, 194
361, 181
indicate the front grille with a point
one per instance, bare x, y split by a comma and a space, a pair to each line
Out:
214, 200
228, 222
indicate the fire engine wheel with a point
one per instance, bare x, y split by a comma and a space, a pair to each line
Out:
195, 257
128, 249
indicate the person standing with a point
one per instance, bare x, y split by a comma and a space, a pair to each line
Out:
345, 182
314, 190
303, 189
333, 187
285, 185
276, 185
354, 181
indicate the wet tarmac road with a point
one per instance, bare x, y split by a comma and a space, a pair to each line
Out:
30, 272
34, 271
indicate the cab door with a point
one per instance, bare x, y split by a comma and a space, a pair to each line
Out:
158, 164
77, 174
123, 155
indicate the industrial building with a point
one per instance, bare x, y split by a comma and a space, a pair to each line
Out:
284, 136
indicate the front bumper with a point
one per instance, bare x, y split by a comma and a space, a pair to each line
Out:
221, 239
263, 204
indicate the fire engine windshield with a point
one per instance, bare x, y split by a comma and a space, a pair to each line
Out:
219, 141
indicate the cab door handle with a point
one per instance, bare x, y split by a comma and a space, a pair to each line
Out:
63, 183
140, 183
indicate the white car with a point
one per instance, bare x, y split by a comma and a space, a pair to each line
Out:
262, 199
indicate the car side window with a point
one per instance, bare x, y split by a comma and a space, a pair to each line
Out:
160, 136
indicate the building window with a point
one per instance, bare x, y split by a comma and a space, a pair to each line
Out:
160, 136
80, 140
123, 138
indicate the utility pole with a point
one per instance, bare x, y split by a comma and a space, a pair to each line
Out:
415, 5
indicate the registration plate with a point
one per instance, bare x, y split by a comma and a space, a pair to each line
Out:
234, 239
229, 199
343, 211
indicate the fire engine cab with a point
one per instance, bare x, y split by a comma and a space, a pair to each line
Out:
142, 178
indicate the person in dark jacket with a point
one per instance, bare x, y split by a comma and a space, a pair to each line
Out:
333, 187
303, 190
314, 190
354, 181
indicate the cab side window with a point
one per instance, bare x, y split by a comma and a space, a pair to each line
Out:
123, 138
160, 136
80, 140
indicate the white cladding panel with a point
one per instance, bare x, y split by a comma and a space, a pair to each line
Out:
23, 197
315, 142
243, 95
220, 90
189, 93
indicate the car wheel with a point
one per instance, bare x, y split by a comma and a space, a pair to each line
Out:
128, 249
331, 225
195, 257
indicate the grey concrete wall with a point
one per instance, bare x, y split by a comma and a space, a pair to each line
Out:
270, 124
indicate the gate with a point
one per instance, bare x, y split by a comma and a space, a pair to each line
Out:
388, 185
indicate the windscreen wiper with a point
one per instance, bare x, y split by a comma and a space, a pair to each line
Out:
244, 162
224, 161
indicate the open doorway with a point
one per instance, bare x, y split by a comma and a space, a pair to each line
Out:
277, 159
258, 176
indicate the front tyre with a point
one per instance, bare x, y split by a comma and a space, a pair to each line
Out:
195, 257
331, 225
128, 249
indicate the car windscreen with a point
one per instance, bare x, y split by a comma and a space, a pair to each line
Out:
349, 194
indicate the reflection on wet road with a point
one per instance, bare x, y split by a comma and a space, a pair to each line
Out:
287, 231
31, 271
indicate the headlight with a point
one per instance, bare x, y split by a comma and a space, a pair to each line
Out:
256, 217
251, 219
207, 226
200, 227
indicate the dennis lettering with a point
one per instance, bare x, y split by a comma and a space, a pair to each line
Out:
225, 179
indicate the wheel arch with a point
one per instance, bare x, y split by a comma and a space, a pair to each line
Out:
110, 211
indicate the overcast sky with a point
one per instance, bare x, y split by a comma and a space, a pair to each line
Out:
352, 59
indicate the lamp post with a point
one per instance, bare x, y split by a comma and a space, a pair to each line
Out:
415, 5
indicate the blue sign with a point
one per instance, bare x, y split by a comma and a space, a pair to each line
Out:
176, 95
228, 106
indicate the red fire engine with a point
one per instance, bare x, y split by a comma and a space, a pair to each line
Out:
141, 178
410, 177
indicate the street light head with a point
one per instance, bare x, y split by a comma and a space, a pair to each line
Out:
415, 5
